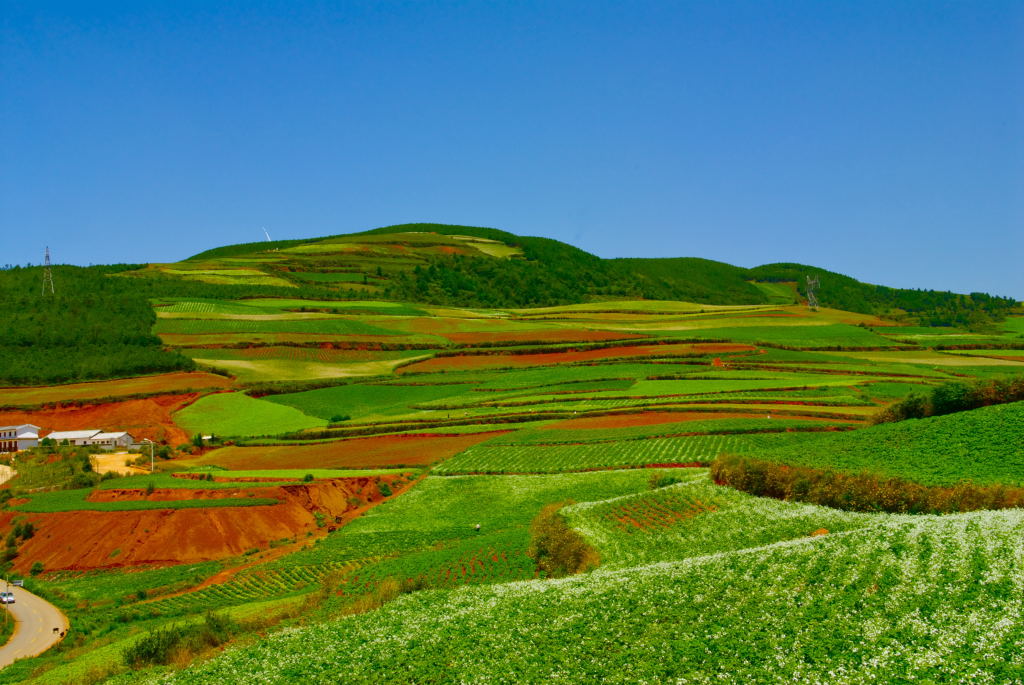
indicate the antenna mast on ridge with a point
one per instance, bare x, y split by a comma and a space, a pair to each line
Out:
812, 297
47, 274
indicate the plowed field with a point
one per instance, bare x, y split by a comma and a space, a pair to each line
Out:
390, 450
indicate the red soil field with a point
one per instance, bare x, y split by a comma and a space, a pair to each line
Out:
546, 335
82, 540
146, 418
461, 362
375, 452
654, 418
162, 383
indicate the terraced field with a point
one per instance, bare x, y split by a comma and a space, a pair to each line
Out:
442, 419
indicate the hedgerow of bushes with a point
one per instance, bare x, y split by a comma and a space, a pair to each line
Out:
557, 549
950, 398
864, 492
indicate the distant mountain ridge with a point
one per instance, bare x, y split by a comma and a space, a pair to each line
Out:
439, 263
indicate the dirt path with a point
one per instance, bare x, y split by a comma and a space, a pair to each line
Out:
33, 631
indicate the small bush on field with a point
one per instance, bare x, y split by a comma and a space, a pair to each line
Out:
661, 479
557, 549
858, 492
36, 569
385, 489
165, 645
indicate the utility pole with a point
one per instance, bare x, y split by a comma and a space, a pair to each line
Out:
152, 468
47, 274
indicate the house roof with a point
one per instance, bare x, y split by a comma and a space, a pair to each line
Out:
20, 426
110, 436
73, 435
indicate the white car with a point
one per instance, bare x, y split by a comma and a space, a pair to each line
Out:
6, 598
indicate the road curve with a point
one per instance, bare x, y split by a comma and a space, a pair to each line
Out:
33, 631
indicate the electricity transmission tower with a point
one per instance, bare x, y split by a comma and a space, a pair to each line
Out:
812, 297
47, 274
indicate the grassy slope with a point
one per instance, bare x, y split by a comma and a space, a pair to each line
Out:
984, 445
233, 413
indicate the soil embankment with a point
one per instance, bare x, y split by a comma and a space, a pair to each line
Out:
81, 540
145, 418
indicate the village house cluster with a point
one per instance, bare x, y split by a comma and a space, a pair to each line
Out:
26, 436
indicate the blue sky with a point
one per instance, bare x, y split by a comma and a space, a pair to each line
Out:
884, 140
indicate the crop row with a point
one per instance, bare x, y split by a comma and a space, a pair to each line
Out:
253, 586
488, 458
550, 436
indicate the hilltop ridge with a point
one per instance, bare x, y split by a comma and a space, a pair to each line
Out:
488, 267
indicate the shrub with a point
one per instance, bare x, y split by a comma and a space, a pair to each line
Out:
36, 569
858, 492
557, 549
661, 479
164, 645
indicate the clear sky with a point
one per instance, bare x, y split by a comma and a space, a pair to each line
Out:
882, 139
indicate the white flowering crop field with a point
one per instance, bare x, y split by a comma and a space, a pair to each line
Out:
879, 599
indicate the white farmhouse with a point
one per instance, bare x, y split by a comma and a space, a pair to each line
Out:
16, 438
82, 437
110, 441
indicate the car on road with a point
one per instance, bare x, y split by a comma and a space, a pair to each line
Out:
6, 598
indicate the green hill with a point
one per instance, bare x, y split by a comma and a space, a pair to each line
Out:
487, 267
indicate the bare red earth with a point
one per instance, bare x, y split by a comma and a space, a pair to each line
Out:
375, 452
146, 418
83, 540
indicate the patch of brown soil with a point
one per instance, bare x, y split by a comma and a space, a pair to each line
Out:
374, 452
146, 418
82, 540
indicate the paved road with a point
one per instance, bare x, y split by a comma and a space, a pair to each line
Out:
33, 633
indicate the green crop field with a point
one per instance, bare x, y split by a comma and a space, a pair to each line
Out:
533, 458
238, 414
985, 446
